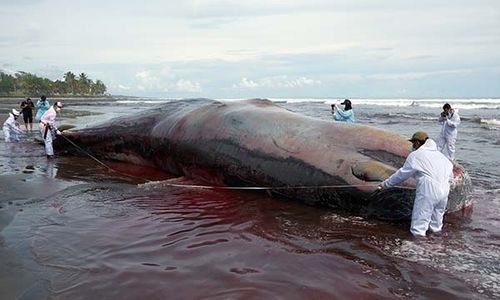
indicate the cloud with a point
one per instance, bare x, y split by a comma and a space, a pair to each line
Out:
123, 87
147, 80
246, 83
277, 82
163, 79
415, 75
183, 85
233, 48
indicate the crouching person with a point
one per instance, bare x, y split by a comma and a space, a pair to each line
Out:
11, 128
48, 127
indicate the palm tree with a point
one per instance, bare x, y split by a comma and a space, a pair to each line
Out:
84, 83
98, 88
70, 80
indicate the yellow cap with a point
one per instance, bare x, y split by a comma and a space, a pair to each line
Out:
419, 136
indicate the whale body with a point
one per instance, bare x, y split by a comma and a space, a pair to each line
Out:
258, 143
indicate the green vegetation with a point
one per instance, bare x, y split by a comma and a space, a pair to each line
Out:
26, 84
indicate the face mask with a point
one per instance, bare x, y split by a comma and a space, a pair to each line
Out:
58, 109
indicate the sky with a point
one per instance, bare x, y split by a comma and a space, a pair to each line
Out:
260, 48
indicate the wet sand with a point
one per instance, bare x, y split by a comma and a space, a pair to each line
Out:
27, 177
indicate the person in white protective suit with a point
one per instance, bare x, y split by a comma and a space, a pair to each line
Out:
48, 128
434, 174
11, 129
449, 119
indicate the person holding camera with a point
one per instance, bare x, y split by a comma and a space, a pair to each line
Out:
346, 114
449, 119
42, 105
27, 112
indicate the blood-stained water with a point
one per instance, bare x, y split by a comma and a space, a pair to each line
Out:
70, 228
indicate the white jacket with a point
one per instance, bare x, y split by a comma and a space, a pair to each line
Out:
48, 118
11, 124
450, 124
432, 170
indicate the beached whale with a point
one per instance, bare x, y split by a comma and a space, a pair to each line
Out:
258, 143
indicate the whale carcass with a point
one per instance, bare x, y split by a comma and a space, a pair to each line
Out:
258, 143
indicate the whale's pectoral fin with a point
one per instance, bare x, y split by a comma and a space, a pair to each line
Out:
372, 170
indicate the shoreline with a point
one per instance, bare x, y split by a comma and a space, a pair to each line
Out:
58, 97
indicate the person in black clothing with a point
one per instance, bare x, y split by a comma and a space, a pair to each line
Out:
27, 111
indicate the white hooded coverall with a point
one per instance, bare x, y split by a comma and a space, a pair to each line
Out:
48, 129
10, 129
448, 136
434, 174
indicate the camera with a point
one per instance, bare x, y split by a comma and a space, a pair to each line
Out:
443, 114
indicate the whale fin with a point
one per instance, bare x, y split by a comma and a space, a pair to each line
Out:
372, 171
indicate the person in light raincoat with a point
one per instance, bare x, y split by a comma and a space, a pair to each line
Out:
42, 105
449, 119
434, 174
11, 129
346, 114
48, 128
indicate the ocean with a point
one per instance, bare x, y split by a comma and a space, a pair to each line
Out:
72, 229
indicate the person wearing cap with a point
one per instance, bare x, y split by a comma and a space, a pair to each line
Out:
48, 128
42, 105
449, 119
346, 114
11, 130
433, 173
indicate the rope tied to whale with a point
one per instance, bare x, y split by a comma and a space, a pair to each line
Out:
213, 187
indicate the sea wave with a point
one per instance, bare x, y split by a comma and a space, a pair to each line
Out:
490, 122
479, 120
488, 103
404, 116
148, 101
465, 104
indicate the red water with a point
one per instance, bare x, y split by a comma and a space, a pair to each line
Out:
108, 237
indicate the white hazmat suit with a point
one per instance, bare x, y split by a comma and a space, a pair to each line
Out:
448, 136
48, 129
11, 129
434, 174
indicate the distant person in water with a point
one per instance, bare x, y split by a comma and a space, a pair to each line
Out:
11, 130
27, 111
48, 128
42, 105
449, 119
345, 114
